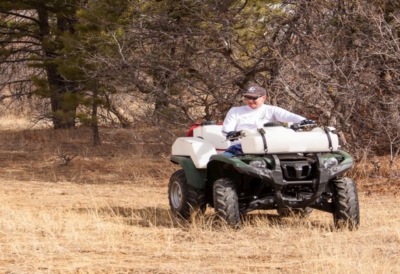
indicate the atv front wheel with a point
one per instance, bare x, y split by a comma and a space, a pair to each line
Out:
346, 207
226, 202
184, 199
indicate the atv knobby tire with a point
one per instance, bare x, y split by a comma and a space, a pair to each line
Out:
346, 207
184, 199
226, 202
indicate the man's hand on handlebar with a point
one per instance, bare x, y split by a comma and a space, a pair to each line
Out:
233, 135
304, 123
308, 123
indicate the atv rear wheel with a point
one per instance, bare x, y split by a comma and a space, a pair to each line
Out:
184, 199
346, 207
226, 202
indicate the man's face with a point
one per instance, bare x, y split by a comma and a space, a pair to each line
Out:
254, 101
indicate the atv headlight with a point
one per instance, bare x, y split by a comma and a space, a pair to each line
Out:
258, 164
330, 162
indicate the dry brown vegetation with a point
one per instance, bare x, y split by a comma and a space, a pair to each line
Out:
69, 207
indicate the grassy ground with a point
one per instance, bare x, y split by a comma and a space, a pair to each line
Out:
69, 207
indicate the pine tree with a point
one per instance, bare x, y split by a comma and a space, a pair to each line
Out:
31, 39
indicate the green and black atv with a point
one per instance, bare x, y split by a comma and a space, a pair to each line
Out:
290, 169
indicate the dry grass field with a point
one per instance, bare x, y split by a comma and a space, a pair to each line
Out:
69, 207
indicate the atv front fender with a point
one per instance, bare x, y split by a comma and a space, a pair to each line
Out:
237, 163
194, 176
221, 166
343, 167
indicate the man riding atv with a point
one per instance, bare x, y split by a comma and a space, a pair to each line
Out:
291, 169
254, 115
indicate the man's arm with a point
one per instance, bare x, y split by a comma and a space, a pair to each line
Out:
230, 122
283, 115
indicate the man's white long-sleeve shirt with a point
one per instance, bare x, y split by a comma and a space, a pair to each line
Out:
244, 117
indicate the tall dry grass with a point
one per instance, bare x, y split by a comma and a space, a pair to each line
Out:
106, 211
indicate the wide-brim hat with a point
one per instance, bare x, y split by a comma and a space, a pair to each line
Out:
255, 91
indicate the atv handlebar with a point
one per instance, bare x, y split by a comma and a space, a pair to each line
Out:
303, 124
236, 135
294, 126
233, 135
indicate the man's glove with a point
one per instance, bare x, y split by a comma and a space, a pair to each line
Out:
233, 135
308, 123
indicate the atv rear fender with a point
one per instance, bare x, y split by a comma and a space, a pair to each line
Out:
194, 176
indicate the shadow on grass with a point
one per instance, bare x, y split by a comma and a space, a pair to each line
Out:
160, 217
293, 221
144, 217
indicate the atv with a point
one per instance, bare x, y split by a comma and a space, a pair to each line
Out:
292, 169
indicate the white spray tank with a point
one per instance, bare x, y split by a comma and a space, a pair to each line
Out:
279, 139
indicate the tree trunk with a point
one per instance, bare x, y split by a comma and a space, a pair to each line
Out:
95, 125
62, 92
